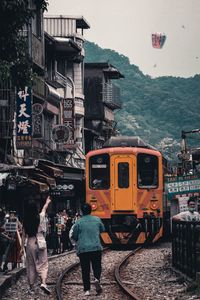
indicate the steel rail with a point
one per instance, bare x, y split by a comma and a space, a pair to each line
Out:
122, 285
64, 273
60, 279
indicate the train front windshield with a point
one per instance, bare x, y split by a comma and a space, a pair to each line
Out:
99, 172
147, 170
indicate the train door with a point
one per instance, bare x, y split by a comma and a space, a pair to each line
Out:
123, 184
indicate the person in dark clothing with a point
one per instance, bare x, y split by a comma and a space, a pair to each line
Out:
86, 234
6, 242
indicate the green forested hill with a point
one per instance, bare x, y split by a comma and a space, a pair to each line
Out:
155, 109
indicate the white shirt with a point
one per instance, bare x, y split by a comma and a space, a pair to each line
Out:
188, 216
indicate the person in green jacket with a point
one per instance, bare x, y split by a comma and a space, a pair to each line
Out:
86, 234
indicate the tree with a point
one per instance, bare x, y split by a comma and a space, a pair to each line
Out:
14, 59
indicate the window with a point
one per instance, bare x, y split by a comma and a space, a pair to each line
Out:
99, 172
123, 175
147, 171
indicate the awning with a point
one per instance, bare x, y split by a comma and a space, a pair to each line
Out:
50, 170
43, 187
52, 94
3, 177
67, 45
73, 176
44, 178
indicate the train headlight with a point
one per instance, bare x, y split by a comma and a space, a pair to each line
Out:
94, 206
154, 205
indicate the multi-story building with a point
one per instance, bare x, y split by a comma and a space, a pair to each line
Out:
43, 122
65, 72
102, 98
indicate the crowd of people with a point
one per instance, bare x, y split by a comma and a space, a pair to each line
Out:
56, 231
40, 233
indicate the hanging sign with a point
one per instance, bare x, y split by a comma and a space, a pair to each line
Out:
24, 119
37, 108
61, 134
68, 120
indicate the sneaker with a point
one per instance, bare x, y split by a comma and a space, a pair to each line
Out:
30, 291
87, 293
45, 289
97, 286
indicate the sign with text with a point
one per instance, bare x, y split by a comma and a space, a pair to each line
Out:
24, 119
63, 189
180, 185
68, 120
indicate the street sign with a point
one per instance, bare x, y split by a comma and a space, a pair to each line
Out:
182, 185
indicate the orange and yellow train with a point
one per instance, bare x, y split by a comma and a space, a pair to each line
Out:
124, 185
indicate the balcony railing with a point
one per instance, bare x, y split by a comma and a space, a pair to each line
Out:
60, 79
111, 95
6, 111
57, 79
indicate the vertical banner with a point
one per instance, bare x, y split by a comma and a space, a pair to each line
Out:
68, 120
24, 119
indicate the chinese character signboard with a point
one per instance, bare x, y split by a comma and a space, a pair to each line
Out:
24, 119
38, 120
182, 185
68, 120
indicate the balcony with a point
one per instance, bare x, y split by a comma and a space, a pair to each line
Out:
64, 26
6, 110
111, 95
57, 80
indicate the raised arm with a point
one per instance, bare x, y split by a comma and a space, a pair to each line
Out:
48, 200
179, 217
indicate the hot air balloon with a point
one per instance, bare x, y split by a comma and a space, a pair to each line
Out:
158, 39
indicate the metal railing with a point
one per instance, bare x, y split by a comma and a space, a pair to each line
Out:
186, 247
111, 95
57, 79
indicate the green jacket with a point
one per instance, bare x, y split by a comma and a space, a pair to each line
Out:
86, 234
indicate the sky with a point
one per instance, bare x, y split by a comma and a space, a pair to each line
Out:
126, 27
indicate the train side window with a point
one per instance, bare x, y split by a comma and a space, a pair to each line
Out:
99, 172
123, 175
147, 172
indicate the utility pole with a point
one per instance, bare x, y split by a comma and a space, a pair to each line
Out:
186, 155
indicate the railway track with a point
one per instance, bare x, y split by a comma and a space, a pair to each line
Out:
69, 283
146, 275
131, 293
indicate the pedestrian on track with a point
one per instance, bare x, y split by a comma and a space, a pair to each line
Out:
34, 225
86, 234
